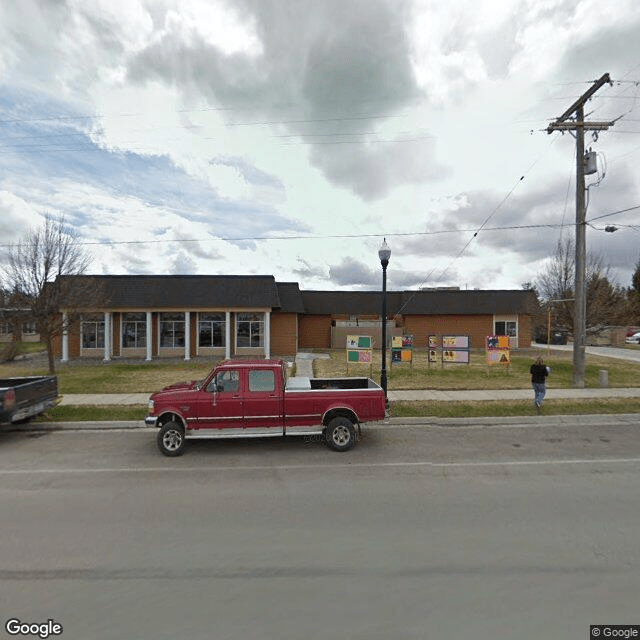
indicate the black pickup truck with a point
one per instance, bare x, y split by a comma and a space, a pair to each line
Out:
24, 398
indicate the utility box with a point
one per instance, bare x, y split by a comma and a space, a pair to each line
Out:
590, 163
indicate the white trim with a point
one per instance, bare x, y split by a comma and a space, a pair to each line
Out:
107, 336
267, 334
187, 336
149, 336
65, 337
227, 336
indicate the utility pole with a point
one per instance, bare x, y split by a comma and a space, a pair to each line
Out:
580, 310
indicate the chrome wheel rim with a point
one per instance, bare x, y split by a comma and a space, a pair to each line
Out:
172, 440
341, 436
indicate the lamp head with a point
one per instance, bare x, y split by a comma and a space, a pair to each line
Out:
384, 253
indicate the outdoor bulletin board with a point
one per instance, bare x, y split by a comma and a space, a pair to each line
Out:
359, 350
434, 346
498, 350
402, 349
449, 349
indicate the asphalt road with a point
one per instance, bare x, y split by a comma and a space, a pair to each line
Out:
435, 531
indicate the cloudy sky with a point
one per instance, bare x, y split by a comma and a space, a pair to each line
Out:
288, 137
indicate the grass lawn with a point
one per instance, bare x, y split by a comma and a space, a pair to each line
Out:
478, 375
114, 377
141, 377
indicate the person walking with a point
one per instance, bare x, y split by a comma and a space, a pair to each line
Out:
539, 372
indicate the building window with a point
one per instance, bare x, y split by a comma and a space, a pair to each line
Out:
211, 329
29, 328
134, 330
92, 329
171, 330
250, 330
506, 328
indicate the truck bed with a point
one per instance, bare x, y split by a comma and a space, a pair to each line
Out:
315, 384
24, 398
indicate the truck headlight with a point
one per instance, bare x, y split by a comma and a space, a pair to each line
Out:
151, 405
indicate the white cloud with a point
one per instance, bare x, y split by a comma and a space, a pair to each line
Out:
242, 119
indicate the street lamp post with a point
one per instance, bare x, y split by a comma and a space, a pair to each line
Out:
384, 253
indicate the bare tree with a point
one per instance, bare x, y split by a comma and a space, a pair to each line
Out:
33, 275
606, 300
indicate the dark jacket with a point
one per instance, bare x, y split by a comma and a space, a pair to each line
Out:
538, 373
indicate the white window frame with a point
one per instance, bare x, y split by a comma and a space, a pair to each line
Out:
256, 321
221, 321
174, 322
140, 341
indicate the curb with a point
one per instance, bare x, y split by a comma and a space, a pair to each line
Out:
426, 421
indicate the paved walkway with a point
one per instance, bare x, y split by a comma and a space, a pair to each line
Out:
304, 367
122, 399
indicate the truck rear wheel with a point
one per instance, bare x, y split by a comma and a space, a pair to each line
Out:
340, 434
171, 439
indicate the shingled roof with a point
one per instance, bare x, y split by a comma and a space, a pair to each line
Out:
182, 292
251, 292
434, 302
458, 302
349, 302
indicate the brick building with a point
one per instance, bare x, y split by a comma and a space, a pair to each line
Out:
189, 316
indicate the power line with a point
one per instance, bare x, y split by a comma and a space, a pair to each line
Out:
614, 213
314, 237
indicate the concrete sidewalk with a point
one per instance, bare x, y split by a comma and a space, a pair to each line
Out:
122, 399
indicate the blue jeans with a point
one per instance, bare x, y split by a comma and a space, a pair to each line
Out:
539, 390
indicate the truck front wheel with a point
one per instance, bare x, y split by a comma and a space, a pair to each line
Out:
340, 434
171, 439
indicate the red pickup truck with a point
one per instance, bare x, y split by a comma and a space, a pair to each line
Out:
252, 398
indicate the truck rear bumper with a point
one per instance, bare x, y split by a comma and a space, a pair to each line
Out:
33, 411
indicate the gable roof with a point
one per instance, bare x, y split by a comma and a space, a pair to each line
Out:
181, 292
252, 292
290, 297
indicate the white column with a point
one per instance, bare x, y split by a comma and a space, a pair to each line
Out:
149, 337
227, 336
267, 334
187, 335
107, 336
65, 337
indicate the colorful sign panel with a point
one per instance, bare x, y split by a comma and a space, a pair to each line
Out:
359, 355
449, 349
359, 349
499, 356
497, 342
401, 349
359, 342
498, 350
455, 342
458, 357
